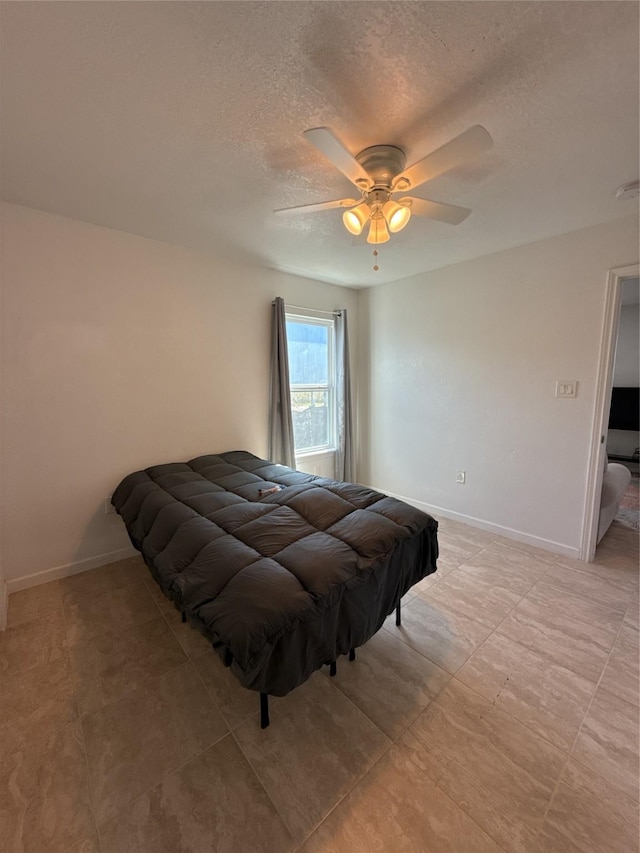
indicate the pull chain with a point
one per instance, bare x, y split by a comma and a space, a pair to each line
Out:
375, 255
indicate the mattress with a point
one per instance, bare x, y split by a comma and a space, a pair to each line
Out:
282, 571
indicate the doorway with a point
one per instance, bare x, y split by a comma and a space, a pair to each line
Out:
608, 342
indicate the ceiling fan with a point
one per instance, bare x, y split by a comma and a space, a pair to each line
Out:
379, 173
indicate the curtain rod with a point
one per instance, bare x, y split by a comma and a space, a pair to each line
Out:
306, 308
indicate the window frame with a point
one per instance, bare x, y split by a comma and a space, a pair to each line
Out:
329, 387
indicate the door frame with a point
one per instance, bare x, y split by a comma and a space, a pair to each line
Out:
606, 358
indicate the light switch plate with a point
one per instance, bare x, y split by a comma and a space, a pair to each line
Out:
566, 388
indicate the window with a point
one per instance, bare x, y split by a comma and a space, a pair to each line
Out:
311, 376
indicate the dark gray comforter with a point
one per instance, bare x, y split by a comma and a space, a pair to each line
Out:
283, 571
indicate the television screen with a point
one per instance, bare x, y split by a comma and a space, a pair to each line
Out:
625, 409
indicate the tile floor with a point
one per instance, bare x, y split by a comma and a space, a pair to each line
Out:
501, 716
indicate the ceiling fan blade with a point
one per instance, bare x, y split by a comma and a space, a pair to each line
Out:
450, 213
321, 205
469, 144
325, 140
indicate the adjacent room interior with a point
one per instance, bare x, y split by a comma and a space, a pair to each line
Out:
458, 179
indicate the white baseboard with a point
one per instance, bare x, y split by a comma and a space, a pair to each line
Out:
16, 584
4, 602
481, 524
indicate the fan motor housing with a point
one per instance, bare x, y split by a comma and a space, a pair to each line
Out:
382, 162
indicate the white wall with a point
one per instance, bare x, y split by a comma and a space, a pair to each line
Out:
120, 352
458, 373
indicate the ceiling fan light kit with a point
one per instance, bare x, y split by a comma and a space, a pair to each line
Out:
379, 172
397, 215
374, 208
378, 231
356, 218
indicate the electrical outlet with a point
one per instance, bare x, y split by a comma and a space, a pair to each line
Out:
461, 477
109, 508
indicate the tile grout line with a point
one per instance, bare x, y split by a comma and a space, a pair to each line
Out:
152, 678
175, 770
115, 702
423, 595
387, 747
161, 781
80, 725
213, 698
502, 621
231, 733
586, 713
436, 782
169, 772
419, 770
191, 660
392, 742
413, 719
525, 725
81, 717
596, 684
346, 794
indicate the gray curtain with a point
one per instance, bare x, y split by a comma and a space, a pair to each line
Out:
281, 447
345, 462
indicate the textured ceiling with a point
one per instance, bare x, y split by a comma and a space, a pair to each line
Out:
183, 121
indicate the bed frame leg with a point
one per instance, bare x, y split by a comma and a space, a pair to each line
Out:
352, 654
184, 617
228, 658
332, 668
398, 619
264, 710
